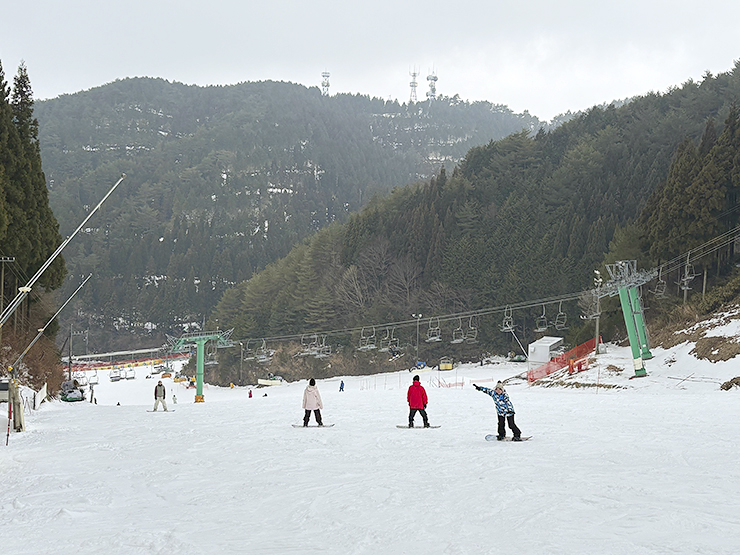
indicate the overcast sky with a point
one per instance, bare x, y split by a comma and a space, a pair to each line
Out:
546, 57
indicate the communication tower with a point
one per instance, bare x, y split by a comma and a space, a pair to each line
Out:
325, 83
414, 74
432, 80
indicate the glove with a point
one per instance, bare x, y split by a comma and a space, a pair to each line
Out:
476, 387
425, 407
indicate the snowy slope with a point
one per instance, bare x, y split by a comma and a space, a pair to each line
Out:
648, 467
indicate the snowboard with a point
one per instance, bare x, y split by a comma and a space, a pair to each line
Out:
171, 410
416, 427
492, 437
312, 426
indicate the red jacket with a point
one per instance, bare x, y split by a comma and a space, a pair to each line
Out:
417, 396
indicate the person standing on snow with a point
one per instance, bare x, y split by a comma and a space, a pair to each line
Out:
417, 399
312, 402
504, 409
159, 394
341, 386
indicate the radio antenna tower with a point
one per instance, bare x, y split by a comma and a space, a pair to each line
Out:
414, 74
325, 83
432, 79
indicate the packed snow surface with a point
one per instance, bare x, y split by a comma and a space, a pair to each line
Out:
648, 467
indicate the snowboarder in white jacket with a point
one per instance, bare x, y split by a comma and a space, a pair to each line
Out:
312, 402
504, 409
159, 395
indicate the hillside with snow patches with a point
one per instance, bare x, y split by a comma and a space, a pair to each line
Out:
638, 466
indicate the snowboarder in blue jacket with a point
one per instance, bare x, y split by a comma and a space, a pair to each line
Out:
504, 409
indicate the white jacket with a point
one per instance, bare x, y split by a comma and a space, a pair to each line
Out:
311, 398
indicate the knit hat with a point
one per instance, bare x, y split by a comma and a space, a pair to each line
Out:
416, 378
499, 385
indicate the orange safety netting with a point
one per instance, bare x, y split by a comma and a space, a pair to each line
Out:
575, 360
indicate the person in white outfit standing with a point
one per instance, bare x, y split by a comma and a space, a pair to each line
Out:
159, 394
312, 402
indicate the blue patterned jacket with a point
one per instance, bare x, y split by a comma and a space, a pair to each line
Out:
503, 403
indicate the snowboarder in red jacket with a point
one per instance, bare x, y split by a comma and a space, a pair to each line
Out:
417, 398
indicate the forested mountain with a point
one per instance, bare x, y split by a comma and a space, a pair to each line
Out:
527, 217
29, 232
222, 181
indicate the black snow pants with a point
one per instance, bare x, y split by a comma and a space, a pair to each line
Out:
317, 414
502, 426
424, 417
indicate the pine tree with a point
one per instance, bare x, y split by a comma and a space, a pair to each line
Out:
37, 235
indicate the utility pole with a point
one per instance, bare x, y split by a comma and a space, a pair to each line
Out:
598, 281
241, 362
418, 318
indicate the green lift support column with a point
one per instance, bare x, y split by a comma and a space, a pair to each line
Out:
199, 339
200, 349
640, 324
629, 321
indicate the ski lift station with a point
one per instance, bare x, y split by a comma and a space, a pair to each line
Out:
544, 350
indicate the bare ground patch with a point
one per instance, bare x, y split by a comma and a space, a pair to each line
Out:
716, 349
734, 382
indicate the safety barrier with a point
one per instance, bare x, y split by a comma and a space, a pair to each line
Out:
575, 359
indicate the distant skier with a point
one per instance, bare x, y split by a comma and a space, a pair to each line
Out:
417, 398
312, 402
341, 385
159, 395
250, 393
504, 409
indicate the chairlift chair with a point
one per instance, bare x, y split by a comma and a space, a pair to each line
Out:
264, 355
367, 340
322, 349
541, 324
386, 341
248, 353
688, 276
472, 334
660, 286
458, 334
434, 334
561, 318
211, 349
507, 323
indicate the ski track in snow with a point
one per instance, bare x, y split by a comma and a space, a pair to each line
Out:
651, 468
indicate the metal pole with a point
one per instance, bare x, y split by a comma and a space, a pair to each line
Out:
42, 330
199, 368
24, 291
418, 319
241, 362
629, 322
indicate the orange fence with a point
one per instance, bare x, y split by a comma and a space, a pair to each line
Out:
575, 359
90, 366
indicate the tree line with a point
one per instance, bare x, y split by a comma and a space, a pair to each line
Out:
529, 216
29, 231
223, 181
